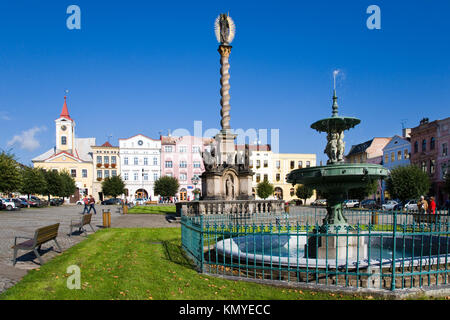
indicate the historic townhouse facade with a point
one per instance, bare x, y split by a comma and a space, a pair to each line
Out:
261, 164
106, 163
282, 164
181, 158
140, 158
443, 159
71, 154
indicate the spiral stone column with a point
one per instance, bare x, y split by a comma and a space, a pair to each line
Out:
225, 87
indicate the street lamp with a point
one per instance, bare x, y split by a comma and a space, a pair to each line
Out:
195, 180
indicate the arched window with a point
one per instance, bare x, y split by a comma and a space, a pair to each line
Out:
432, 143
416, 147
424, 145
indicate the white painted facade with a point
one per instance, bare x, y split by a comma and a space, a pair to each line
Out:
140, 166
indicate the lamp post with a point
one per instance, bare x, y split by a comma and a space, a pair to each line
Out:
195, 179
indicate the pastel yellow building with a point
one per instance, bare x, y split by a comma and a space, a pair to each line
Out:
282, 164
106, 164
71, 154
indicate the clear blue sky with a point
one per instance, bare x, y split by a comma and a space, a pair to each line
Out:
144, 66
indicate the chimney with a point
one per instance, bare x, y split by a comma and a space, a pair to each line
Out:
406, 132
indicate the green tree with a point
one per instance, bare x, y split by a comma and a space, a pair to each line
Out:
54, 183
408, 182
166, 186
264, 189
113, 186
304, 192
68, 186
361, 193
10, 173
33, 181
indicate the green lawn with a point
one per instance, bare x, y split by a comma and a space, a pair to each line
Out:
140, 264
152, 210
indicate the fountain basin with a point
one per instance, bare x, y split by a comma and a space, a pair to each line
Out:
289, 250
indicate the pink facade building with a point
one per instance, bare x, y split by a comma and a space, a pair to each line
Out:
181, 157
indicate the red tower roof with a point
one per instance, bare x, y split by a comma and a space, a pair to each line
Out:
65, 111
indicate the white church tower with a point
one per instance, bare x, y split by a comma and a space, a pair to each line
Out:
65, 131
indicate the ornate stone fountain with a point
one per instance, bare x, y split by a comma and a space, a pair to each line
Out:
334, 180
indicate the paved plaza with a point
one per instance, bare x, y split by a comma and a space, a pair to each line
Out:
24, 222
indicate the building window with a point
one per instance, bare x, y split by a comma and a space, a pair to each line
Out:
424, 145
308, 164
443, 170
183, 164
292, 164
277, 164
145, 176
145, 161
424, 166
432, 143
155, 161
405, 154
416, 147
183, 176
197, 164
99, 159
168, 164
136, 161
106, 174
444, 149
63, 140
266, 163
258, 164
258, 177
392, 156
399, 155
99, 174
125, 161
84, 173
386, 158
278, 177
432, 166
114, 173
113, 160
106, 160
300, 164
136, 176
266, 177
73, 173
182, 149
155, 176
125, 176
251, 164
167, 148
195, 149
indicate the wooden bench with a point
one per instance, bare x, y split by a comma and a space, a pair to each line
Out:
85, 220
41, 236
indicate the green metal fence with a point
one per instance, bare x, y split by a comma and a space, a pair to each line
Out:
378, 249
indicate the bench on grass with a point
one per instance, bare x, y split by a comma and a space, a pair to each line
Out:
41, 236
85, 220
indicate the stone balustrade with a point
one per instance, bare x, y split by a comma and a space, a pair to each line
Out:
209, 207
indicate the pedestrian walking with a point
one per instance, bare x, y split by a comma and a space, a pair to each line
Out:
86, 204
422, 205
432, 206
92, 204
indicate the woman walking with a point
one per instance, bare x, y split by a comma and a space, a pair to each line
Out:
92, 204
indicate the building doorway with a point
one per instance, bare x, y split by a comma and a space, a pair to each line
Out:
278, 193
183, 194
141, 194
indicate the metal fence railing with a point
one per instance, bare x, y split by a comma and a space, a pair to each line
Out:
377, 249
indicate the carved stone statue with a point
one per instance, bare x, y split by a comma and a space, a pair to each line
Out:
332, 147
224, 28
229, 188
340, 147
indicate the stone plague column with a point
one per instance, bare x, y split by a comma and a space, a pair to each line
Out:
225, 51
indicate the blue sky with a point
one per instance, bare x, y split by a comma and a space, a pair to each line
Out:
145, 67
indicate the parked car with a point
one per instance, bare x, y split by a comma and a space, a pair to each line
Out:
350, 203
368, 204
319, 203
411, 205
8, 204
25, 201
390, 205
56, 201
20, 203
111, 201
